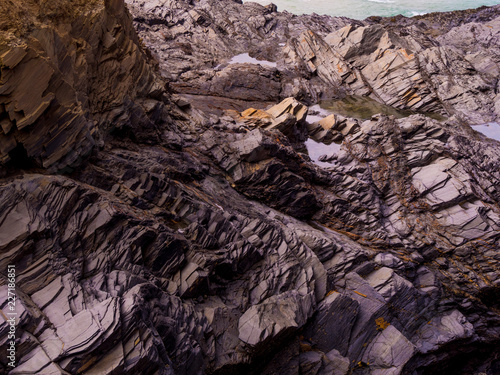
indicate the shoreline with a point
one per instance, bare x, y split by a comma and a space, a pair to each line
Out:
381, 9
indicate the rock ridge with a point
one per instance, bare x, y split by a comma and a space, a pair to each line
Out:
165, 217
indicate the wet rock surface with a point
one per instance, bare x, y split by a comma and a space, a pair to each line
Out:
173, 229
446, 64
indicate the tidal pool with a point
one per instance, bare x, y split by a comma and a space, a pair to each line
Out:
363, 108
245, 58
358, 107
317, 149
491, 130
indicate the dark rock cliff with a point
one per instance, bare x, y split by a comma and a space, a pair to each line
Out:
69, 73
158, 225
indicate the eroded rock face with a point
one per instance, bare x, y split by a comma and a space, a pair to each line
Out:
195, 41
289, 117
448, 66
403, 71
67, 83
194, 242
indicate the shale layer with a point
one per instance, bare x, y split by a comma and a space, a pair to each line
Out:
164, 217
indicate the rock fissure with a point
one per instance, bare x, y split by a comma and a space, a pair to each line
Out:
164, 216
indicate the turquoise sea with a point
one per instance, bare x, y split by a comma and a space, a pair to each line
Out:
360, 9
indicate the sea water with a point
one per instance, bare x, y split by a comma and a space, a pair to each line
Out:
360, 9
491, 130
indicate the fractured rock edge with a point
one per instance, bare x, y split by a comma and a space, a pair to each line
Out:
189, 243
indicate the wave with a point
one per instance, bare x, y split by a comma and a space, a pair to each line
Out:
414, 13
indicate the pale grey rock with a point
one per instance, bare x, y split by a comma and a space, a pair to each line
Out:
388, 352
336, 364
191, 280
387, 282
275, 316
389, 260
441, 330
426, 280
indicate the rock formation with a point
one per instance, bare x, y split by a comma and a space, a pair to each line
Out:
423, 63
164, 218
53, 79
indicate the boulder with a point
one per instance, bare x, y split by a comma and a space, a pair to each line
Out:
333, 128
290, 106
275, 317
288, 117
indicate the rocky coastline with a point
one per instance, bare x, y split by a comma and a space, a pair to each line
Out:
164, 216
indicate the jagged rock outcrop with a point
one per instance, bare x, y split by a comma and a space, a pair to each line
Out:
194, 43
189, 239
332, 128
289, 117
421, 64
79, 72
402, 70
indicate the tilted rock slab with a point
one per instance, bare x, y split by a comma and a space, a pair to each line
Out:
190, 243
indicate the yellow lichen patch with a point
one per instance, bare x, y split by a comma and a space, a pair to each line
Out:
256, 117
305, 348
405, 54
87, 365
362, 364
330, 293
381, 324
4, 316
360, 294
249, 112
253, 167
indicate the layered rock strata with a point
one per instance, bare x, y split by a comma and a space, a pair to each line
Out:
183, 239
447, 64
78, 72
